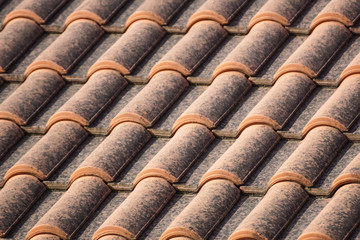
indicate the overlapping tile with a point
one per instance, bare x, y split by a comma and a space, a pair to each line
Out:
172, 136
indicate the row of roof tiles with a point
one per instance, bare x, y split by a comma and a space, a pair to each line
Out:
66, 136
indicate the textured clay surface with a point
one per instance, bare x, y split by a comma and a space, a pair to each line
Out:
344, 11
317, 50
215, 10
338, 218
91, 9
183, 149
204, 212
242, 158
31, 96
153, 100
280, 204
126, 53
68, 48
72, 209
351, 174
17, 36
38, 10
10, 133
281, 11
50, 151
309, 160
342, 109
16, 197
137, 211
160, 12
217, 100
112, 155
192, 49
87, 103
255, 49
281, 102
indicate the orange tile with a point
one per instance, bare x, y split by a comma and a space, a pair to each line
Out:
351, 174
10, 133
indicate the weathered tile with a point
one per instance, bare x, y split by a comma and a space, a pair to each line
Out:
281, 11
10, 134
339, 216
215, 10
346, 12
255, 49
17, 197
158, 11
281, 102
138, 209
242, 158
68, 48
177, 156
49, 152
39, 11
72, 209
342, 109
309, 160
114, 153
317, 50
31, 96
218, 99
126, 53
192, 49
16, 37
95, 95
153, 100
274, 211
93, 10
210, 206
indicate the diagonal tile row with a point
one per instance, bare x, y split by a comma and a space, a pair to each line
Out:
192, 133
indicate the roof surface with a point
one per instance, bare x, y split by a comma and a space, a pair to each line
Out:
176, 119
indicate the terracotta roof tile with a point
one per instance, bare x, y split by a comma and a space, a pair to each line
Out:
17, 196
93, 10
346, 12
314, 154
247, 152
10, 133
114, 153
45, 237
218, 99
342, 109
72, 209
153, 103
255, 49
31, 96
192, 49
153, 100
338, 218
281, 102
188, 143
138, 209
112, 237
281, 11
273, 213
131, 47
87, 103
38, 11
16, 37
317, 50
219, 11
68, 48
160, 12
351, 174
51, 150
210, 206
